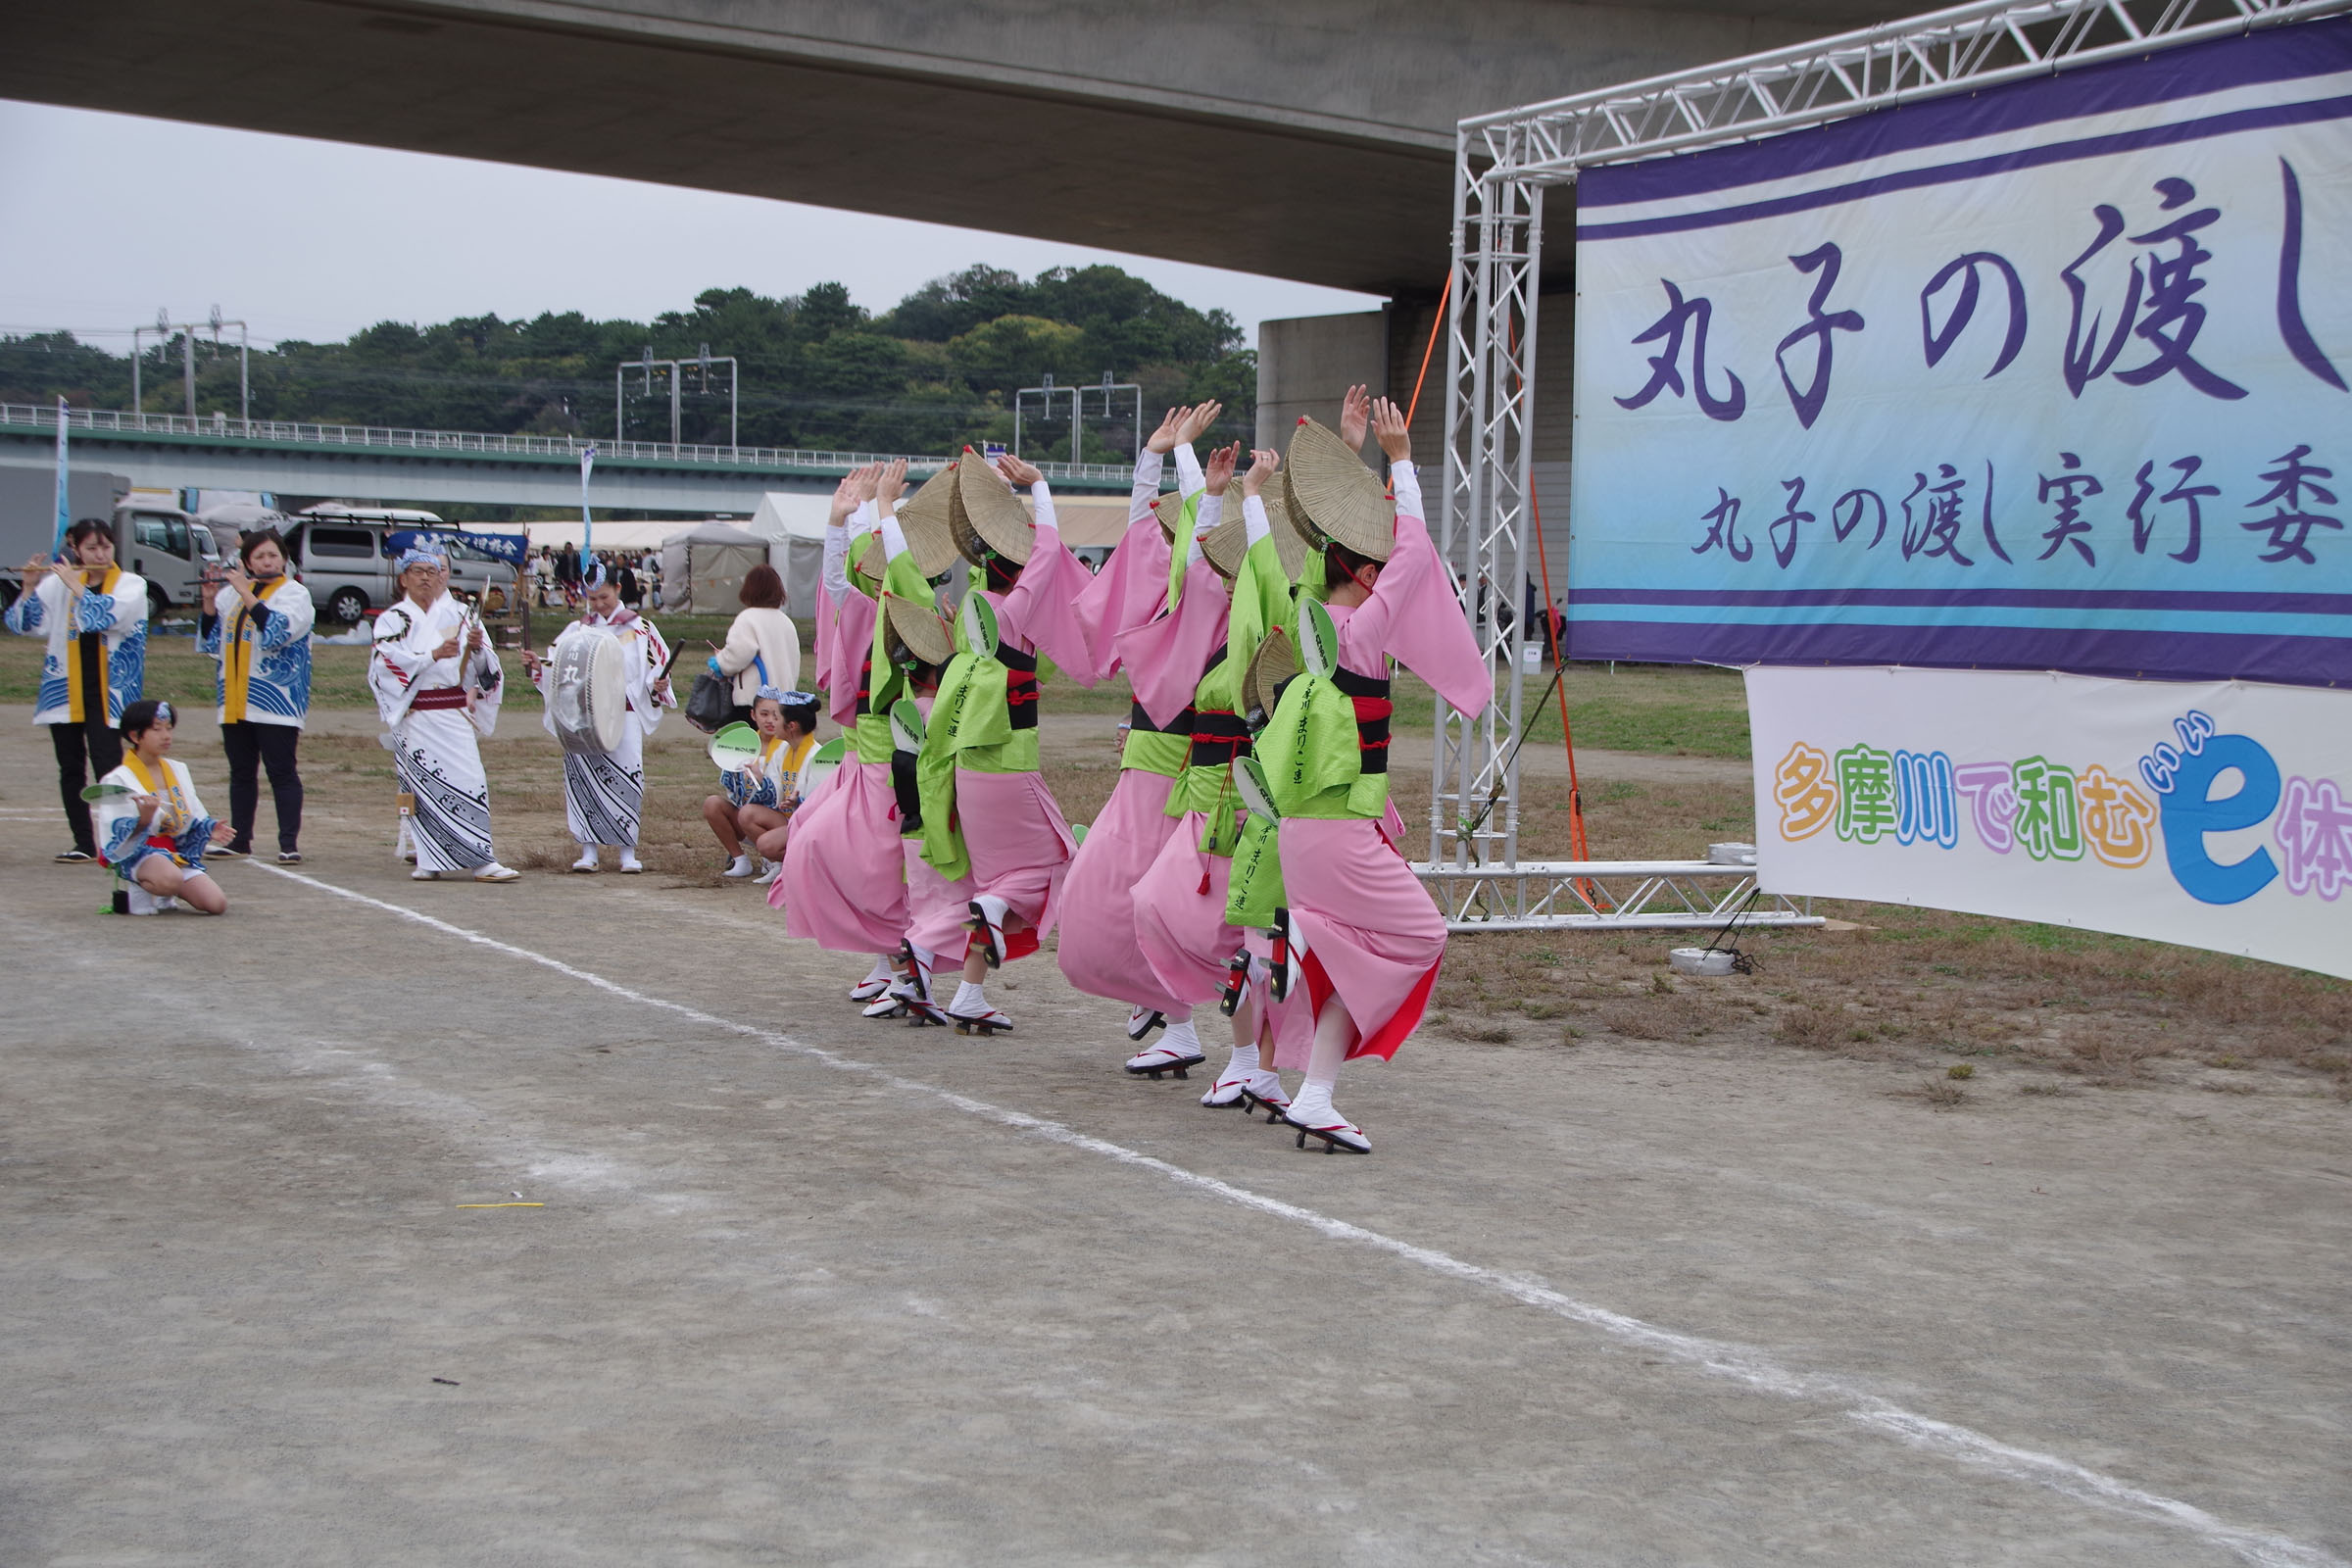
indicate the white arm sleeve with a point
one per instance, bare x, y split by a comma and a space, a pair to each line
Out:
1406, 482
1189, 478
1147, 486
1254, 521
1042, 496
837, 563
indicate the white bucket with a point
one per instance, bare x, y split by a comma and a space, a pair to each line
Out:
1699, 961
1531, 658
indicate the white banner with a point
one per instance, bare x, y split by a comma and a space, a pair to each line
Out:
2055, 375
2215, 814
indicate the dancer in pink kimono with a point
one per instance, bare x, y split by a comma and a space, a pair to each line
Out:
1365, 935
984, 729
1098, 948
843, 883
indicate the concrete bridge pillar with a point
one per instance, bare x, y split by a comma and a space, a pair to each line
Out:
1304, 364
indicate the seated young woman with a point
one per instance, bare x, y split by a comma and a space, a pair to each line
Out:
758, 800
152, 829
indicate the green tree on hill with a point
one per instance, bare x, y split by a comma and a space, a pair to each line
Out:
939, 368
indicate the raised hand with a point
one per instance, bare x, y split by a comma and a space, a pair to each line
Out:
1196, 420
1221, 460
1355, 413
1263, 467
890, 482
1017, 471
1388, 423
1164, 440
847, 496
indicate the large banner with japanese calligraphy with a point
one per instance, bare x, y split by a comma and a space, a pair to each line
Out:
2049, 376
2218, 813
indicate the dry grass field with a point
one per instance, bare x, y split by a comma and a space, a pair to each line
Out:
1958, 1008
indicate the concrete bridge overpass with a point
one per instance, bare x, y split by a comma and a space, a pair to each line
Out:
1311, 140
376, 463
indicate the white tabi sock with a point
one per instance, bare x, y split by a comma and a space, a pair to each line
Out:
970, 1001
1244, 1059
926, 958
1314, 1105
1182, 1039
880, 971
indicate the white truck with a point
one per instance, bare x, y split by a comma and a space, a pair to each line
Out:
152, 537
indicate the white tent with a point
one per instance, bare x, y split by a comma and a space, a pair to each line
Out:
702, 567
614, 534
793, 523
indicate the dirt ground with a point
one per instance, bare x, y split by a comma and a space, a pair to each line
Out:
1942, 1240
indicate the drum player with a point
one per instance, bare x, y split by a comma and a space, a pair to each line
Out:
604, 791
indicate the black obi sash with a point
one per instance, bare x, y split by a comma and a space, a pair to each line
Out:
1020, 687
1373, 710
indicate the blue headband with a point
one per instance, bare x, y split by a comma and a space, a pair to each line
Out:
776, 693
420, 556
594, 577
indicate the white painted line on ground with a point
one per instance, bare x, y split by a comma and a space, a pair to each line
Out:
1747, 1367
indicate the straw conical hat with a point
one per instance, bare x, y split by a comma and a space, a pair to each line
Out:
1289, 542
866, 563
1273, 663
1339, 498
985, 512
1229, 541
1169, 509
921, 628
924, 519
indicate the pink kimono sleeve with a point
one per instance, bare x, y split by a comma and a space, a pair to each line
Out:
1414, 618
1128, 592
1041, 608
853, 641
1165, 657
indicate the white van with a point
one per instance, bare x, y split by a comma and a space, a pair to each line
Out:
341, 554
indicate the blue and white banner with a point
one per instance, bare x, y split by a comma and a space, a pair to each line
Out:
511, 547
65, 506
2050, 376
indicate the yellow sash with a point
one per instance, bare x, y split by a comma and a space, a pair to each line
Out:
172, 816
75, 699
236, 657
792, 762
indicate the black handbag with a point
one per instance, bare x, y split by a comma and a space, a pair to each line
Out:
710, 705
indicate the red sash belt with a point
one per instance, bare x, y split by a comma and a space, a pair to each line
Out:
433, 697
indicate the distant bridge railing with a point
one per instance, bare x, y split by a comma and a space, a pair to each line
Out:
476, 443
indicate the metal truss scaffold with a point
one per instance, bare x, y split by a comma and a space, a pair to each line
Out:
1610, 896
1503, 163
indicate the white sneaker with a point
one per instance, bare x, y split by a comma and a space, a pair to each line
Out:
421, 874
631, 865
767, 877
585, 865
495, 872
738, 868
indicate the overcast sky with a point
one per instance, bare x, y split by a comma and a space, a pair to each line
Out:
110, 217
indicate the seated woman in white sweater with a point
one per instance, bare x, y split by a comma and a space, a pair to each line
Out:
763, 646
